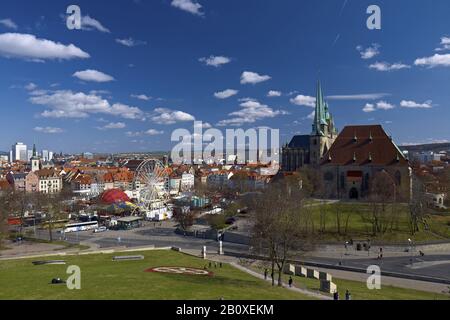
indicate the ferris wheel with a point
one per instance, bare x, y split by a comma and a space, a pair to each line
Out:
152, 180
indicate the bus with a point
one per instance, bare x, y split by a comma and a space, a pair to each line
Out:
82, 226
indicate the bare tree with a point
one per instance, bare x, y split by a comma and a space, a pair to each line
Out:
281, 225
383, 196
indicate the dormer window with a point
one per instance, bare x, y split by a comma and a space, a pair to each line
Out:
370, 157
355, 138
354, 156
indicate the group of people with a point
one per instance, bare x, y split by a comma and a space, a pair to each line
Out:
348, 295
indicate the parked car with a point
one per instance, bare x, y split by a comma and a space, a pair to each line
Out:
100, 229
230, 220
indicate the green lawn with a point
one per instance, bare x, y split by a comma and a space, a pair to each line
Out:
360, 227
107, 280
359, 290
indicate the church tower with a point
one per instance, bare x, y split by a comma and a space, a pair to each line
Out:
324, 132
35, 161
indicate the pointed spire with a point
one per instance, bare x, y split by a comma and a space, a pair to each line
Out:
34, 150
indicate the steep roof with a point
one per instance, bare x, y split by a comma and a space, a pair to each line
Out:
300, 142
364, 145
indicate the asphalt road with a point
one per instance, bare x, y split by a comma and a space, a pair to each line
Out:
437, 266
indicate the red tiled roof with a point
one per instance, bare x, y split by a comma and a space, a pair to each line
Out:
364, 145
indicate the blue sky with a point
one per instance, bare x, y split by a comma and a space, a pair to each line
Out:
140, 69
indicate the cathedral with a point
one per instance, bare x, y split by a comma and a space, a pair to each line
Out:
306, 150
348, 161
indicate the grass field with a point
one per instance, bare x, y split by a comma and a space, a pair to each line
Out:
359, 290
103, 279
360, 227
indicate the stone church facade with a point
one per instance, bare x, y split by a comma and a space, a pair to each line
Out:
347, 161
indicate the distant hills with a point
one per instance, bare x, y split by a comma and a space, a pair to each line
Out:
435, 147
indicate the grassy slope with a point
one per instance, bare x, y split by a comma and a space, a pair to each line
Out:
360, 228
104, 279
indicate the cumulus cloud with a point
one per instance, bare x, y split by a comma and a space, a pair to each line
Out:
93, 75
113, 125
215, 61
188, 6
225, 94
166, 116
380, 105
369, 52
8, 23
130, 42
251, 111
149, 132
385, 66
301, 100
274, 93
31, 86
438, 60
28, 47
249, 77
48, 130
68, 104
412, 104
445, 44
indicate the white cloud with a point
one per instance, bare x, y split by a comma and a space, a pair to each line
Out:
8, 23
188, 6
31, 86
385, 66
225, 94
369, 52
253, 77
445, 43
365, 96
302, 100
48, 130
273, 93
130, 42
215, 61
204, 125
88, 24
68, 104
438, 60
311, 116
252, 111
93, 75
28, 47
141, 97
167, 116
412, 104
113, 125
369, 107
153, 132
381, 105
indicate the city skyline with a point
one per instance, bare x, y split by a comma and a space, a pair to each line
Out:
126, 80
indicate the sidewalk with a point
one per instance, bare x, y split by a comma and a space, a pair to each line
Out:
302, 291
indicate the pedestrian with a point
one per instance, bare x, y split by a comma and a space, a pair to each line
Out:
215, 265
220, 264
271, 275
265, 274
348, 295
336, 295
290, 282
210, 264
